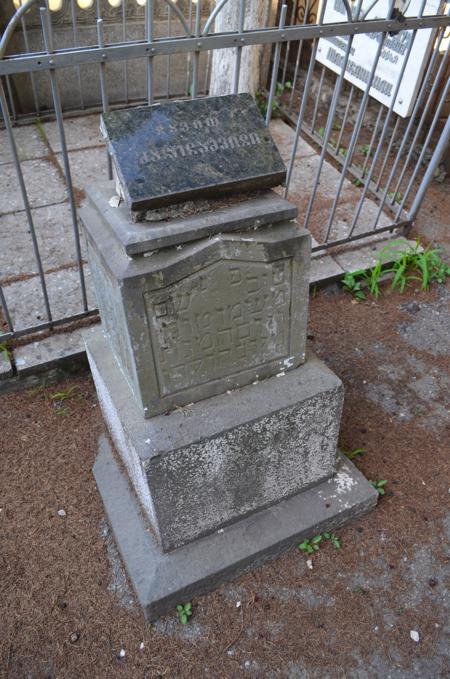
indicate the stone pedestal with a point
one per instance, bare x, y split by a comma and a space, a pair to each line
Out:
226, 428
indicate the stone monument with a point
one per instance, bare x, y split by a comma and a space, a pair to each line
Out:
224, 425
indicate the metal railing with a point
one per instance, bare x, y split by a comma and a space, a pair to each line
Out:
370, 161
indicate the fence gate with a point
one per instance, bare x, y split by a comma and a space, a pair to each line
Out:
363, 86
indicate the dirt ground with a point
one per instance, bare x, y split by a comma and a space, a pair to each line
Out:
66, 610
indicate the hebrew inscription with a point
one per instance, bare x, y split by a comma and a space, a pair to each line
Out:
230, 317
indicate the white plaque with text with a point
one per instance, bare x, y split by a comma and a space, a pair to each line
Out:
331, 53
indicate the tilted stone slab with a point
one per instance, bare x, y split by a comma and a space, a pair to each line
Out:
197, 320
204, 466
179, 150
162, 580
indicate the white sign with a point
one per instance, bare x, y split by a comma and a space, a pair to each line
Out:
331, 53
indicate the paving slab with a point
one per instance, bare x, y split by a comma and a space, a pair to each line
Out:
28, 141
54, 232
42, 179
303, 179
323, 269
86, 166
356, 258
57, 349
80, 132
26, 303
6, 369
161, 580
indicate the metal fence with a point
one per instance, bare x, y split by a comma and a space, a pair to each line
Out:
356, 166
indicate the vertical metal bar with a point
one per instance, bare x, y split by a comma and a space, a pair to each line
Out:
237, 67
372, 139
301, 113
423, 118
276, 65
32, 78
317, 102
288, 45
149, 38
330, 119
344, 120
297, 61
189, 55
356, 129
442, 145
6, 313
444, 138
11, 98
169, 61
388, 152
124, 39
385, 127
26, 202
103, 89
198, 16
75, 44
46, 30
207, 71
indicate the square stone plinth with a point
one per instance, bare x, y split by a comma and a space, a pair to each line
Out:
161, 581
200, 468
198, 319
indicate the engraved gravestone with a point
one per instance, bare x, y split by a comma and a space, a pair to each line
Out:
200, 365
179, 150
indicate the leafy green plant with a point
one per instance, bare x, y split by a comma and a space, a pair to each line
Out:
333, 538
4, 350
310, 546
351, 283
184, 612
262, 102
351, 454
380, 486
365, 149
413, 264
395, 197
65, 395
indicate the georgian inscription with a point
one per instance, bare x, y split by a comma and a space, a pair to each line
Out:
181, 150
394, 51
194, 148
230, 317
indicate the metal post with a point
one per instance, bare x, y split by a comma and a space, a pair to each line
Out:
276, 65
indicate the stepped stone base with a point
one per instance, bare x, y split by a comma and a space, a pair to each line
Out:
163, 580
199, 468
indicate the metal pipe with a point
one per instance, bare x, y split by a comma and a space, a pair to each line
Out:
297, 61
318, 97
276, 64
103, 90
441, 147
26, 202
46, 30
32, 78
149, 39
237, 66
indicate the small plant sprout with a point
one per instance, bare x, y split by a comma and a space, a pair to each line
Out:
351, 283
351, 454
4, 351
310, 546
184, 611
380, 486
64, 395
365, 149
334, 539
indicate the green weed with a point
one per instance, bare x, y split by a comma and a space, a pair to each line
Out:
413, 264
262, 103
395, 197
365, 149
351, 454
4, 350
184, 612
71, 392
313, 545
380, 486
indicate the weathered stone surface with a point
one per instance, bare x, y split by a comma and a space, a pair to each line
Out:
26, 302
137, 238
224, 457
29, 144
172, 152
162, 580
54, 350
195, 320
42, 179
